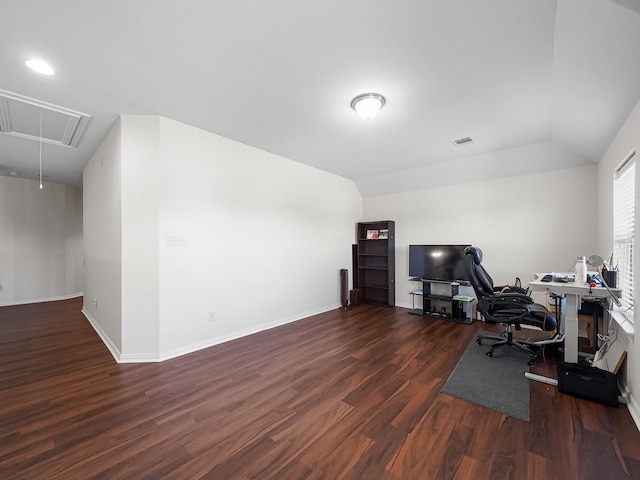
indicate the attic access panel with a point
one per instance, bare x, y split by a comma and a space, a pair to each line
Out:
20, 117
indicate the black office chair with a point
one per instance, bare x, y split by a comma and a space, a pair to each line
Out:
507, 306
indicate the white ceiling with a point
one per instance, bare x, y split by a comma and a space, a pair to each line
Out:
537, 84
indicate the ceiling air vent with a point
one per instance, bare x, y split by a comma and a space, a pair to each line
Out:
462, 141
21, 116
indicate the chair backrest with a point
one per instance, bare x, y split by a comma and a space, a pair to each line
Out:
481, 281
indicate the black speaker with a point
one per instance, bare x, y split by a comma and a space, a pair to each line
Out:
344, 287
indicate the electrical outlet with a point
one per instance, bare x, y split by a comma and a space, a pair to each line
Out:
211, 317
95, 303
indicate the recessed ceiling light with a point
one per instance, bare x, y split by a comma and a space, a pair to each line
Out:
39, 66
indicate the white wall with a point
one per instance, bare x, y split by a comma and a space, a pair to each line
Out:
265, 238
74, 253
526, 224
40, 241
102, 240
627, 139
140, 240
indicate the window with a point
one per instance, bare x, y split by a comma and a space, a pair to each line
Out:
623, 229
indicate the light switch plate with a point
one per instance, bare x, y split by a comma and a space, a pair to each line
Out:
176, 241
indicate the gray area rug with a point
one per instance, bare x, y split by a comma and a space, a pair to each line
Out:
496, 382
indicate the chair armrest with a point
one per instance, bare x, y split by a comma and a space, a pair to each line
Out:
505, 307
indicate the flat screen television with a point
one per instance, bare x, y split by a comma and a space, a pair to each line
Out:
438, 262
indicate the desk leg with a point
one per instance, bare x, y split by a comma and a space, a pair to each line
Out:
571, 329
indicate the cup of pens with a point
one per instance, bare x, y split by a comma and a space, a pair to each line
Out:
610, 277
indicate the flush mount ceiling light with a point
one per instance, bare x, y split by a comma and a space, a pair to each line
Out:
39, 66
368, 105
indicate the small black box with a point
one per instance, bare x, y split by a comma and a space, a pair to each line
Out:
590, 383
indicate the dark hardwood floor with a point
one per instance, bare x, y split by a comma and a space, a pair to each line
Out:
348, 394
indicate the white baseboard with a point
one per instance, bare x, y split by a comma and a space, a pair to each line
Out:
634, 410
178, 352
103, 336
632, 404
40, 300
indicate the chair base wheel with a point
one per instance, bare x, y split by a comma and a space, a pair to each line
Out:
479, 341
489, 354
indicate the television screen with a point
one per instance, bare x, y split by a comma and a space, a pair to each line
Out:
438, 262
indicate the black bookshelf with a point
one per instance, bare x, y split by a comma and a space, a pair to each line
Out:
376, 262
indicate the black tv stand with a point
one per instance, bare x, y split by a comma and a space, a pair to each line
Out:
438, 300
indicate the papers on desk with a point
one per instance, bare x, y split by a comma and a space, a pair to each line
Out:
563, 277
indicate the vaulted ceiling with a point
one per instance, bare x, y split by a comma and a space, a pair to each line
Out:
538, 85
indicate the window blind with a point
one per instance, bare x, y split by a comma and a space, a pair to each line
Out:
624, 228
